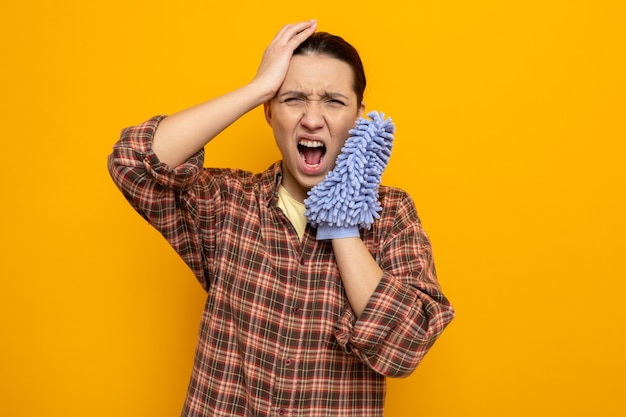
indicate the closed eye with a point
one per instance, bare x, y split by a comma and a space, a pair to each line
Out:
335, 101
294, 101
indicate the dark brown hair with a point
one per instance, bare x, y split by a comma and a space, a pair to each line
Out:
324, 43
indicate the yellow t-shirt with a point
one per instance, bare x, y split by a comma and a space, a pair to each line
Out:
293, 209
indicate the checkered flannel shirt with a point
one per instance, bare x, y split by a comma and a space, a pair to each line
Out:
278, 336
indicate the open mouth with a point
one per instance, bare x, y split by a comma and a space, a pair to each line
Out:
312, 152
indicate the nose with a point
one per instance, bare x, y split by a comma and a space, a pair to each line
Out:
313, 117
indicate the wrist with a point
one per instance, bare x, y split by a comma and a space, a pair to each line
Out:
260, 90
328, 232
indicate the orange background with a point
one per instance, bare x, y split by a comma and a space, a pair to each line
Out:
510, 137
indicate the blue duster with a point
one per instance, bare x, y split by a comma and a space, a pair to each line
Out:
347, 198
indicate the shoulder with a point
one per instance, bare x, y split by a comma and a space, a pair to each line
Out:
393, 196
241, 176
398, 207
230, 175
240, 184
230, 180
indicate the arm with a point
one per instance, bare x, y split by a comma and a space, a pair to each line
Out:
359, 272
160, 194
407, 310
181, 135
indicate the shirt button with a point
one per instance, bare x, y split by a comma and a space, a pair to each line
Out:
296, 310
282, 412
288, 362
302, 261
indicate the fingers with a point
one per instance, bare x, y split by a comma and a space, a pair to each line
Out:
294, 34
306, 31
275, 63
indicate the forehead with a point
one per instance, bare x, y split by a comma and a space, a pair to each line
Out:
318, 72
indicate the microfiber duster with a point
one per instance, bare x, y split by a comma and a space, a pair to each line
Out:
347, 198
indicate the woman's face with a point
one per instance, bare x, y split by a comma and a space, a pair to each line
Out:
311, 115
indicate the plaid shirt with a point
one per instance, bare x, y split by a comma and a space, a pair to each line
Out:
278, 336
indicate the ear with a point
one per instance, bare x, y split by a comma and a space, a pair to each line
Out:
267, 109
361, 110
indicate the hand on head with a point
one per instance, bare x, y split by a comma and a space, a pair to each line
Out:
277, 55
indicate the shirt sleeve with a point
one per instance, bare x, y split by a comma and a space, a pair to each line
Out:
408, 310
161, 194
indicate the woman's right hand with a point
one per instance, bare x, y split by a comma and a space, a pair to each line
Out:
182, 134
275, 63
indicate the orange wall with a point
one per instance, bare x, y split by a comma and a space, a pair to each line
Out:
511, 138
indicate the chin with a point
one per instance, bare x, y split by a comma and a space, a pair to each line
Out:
308, 183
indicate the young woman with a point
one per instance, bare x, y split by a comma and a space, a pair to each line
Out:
293, 325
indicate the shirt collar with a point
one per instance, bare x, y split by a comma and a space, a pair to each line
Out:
270, 181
